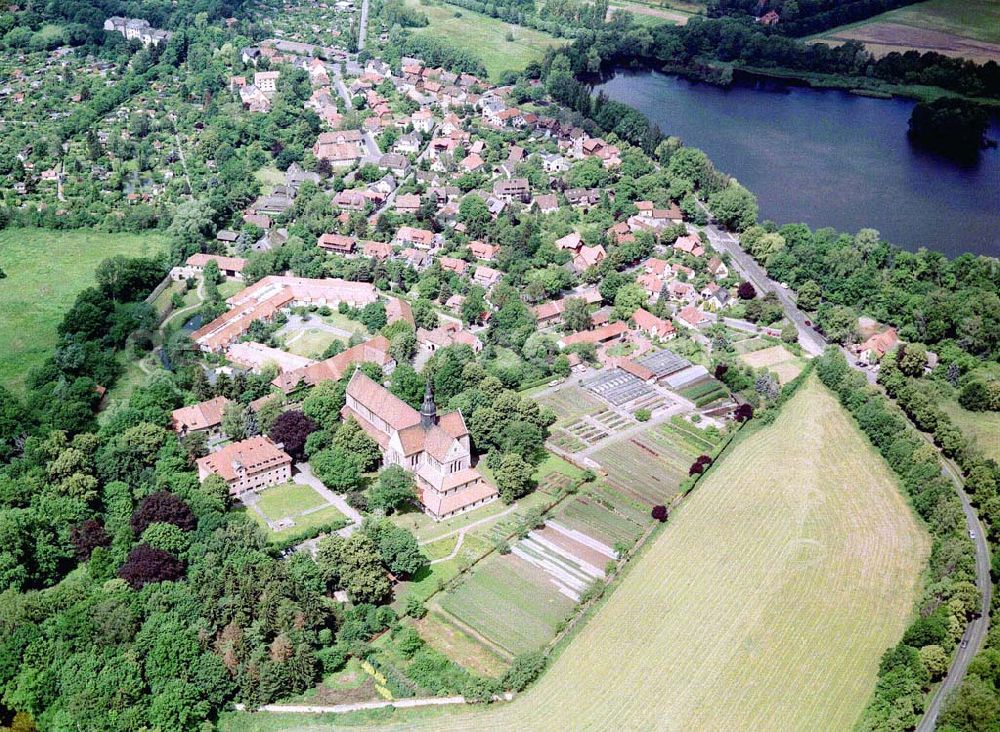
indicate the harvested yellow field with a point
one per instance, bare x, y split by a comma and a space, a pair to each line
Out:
777, 359
765, 604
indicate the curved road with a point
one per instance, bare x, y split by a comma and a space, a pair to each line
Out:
814, 343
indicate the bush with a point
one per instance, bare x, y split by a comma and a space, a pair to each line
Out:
525, 669
660, 513
643, 414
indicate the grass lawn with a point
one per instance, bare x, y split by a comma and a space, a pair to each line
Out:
45, 271
288, 499
776, 359
341, 321
766, 603
269, 177
485, 37
981, 428
311, 342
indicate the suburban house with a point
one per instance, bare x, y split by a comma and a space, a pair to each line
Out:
201, 417
248, 465
653, 326
436, 449
337, 243
873, 349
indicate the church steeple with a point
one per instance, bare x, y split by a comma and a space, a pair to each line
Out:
428, 410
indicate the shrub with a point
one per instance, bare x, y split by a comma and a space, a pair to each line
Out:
525, 669
643, 414
660, 513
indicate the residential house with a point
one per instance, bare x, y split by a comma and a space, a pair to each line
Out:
482, 250
515, 189
653, 326
337, 243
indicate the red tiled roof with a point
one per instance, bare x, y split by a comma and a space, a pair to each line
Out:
255, 455
199, 416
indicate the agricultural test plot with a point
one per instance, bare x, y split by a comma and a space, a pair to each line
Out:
510, 602
571, 402
769, 601
704, 391
649, 467
777, 359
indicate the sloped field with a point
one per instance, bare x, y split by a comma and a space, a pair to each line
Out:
765, 604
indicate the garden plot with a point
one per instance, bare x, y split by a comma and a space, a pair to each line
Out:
598, 520
613, 420
510, 602
572, 560
571, 402
645, 467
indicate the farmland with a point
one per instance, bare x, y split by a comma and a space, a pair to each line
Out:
509, 601
776, 359
651, 466
981, 428
484, 37
45, 271
967, 28
769, 601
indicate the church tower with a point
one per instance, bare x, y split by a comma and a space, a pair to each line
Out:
428, 410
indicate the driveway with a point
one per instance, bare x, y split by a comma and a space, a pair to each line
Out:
305, 476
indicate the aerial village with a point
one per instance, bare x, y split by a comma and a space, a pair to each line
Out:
459, 313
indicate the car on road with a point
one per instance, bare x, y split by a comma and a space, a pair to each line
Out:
556, 382
972, 534
965, 643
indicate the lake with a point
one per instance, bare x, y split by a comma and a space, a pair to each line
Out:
827, 158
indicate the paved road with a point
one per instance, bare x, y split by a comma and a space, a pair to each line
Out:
363, 25
975, 632
723, 241
359, 706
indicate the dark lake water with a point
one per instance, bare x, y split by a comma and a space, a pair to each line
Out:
828, 158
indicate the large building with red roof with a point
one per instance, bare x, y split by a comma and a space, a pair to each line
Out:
436, 449
248, 465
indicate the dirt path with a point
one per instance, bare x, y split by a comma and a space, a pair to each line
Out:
435, 701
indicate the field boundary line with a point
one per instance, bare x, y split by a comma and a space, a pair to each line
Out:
461, 625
